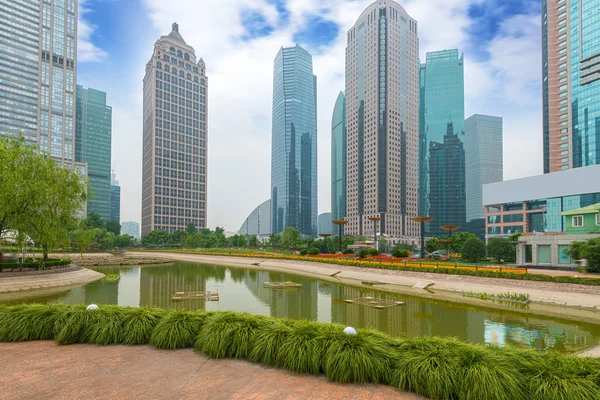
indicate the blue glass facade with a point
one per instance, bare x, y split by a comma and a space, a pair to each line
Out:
115, 203
338, 159
294, 143
442, 104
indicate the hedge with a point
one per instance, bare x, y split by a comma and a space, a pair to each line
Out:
438, 368
36, 265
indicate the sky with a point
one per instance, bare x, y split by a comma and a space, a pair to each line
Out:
239, 39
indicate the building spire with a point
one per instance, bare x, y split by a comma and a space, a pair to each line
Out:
175, 27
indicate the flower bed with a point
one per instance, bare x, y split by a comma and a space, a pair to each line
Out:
437, 368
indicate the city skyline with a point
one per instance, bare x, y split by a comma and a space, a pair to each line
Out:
97, 43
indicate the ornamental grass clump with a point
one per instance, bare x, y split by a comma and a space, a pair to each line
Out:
227, 334
271, 335
77, 326
138, 325
28, 322
177, 330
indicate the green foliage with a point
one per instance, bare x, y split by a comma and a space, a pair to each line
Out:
123, 241
348, 251
156, 238
290, 238
473, 249
590, 250
108, 241
51, 262
436, 368
275, 240
362, 253
238, 241
514, 237
111, 278
502, 250
400, 253
313, 251
512, 297
303, 252
94, 220
373, 251
459, 239
433, 244
253, 241
113, 227
191, 228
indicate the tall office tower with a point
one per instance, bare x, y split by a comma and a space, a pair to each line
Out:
447, 183
382, 114
442, 103
338, 159
570, 83
93, 135
115, 199
38, 60
483, 165
294, 143
175, 137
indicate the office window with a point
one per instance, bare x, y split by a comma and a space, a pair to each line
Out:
597, 219
577, 221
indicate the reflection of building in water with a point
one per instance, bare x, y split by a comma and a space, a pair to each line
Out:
158, 285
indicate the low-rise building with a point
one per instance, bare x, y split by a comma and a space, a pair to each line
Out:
583, 220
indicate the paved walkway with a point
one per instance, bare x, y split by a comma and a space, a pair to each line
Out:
36, 280
42, 370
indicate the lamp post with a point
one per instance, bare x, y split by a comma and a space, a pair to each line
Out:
422, 221
375, 221
449, 229
340, 223
325, 236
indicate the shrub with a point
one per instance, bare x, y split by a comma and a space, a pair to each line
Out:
313, 251
138, 325
400, 253
473, 250
227, 334
36, 264
303, 252
177, 330
590, 250
348, 251
373, 251
362, 253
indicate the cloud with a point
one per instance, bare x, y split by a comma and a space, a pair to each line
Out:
239, 40
86, 50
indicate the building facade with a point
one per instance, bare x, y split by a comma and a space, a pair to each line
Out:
115, 199
571, 84
258, 222
175, 137
583, 220
294, 142
93, 135
131, 228
447, 183
535, 204
483, 165
441, 82
325, 225
38, 69
338, 159
382, 122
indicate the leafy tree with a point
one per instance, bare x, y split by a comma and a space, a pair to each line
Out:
123, 241
108, 241
502, 249
156, 238
347, 241
400, 253
290, 237
253, 241
432, 245
221, 240
238, 240
309, 241
275, 240
114, 227
82, 239
514, 237
459, 239
361, 238
94, 220
190, 228
589, 250
178, 237
313, 251
362, 253
473, 249
373, 251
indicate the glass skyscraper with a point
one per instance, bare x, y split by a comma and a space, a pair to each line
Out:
115, 199
571, 83
294, 143
443, 102
483, 165
338, 159
38, 61
93, 135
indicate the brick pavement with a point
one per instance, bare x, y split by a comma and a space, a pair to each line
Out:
43, 370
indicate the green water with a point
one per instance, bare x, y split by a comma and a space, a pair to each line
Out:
243, 290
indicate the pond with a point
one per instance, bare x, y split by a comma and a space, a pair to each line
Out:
243, 290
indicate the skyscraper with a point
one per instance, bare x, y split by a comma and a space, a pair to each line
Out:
570, 83
382, 121
131, 228
38, 57
447, 182
483, 165
115, 199
93, 146
294, 143
442, 103
175, 137
338, 159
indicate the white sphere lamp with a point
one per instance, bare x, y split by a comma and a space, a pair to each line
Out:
349, 330
92, 307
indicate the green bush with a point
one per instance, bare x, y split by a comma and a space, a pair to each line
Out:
313, 251
502, 250
373, 251
590, 250
362, 253
303, 252
36, 264
348, 251
400, 253
473, 250
437, 368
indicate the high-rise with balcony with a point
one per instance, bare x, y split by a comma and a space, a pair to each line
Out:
93, 136
338, 159
442, 103
175, 137
382, 122
570, 83
38, 62
294, 142
483, 165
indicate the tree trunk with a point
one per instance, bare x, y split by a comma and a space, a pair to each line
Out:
45, 247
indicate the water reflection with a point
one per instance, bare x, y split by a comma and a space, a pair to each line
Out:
243, 290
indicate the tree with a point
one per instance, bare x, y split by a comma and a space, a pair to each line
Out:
114, 227
178, 237
156, 238
253, 242
459, 239
432, 245
290, 237
373, 251
221, 240
108, 241
473, 249
274, 240
94, 220
502, 249
589, 250
123, 241
400, 253
361, 238
190, 228
313, 251
83, 239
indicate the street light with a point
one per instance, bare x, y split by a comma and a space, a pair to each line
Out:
375, 220
340, 223
449, 229
325, 236
422, 221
